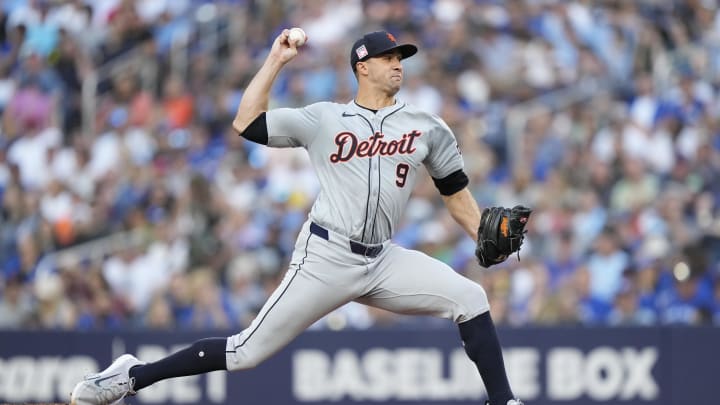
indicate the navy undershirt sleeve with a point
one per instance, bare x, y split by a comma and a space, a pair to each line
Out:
452, 183
257, 130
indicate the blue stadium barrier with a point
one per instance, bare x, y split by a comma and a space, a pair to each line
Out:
572, 366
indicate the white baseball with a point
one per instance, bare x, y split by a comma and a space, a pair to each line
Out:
297, 35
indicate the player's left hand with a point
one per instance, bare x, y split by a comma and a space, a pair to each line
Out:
501, 233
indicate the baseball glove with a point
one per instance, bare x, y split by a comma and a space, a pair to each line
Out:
500, 234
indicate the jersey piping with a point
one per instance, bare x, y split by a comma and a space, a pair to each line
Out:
377, 205
367, 201
299, 267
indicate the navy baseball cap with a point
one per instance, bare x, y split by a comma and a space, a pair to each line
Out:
376, 43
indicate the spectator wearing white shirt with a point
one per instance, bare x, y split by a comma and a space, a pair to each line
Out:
30, 153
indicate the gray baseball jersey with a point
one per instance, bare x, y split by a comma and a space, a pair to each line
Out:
367, 164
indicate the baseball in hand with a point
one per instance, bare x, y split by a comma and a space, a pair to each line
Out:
297, 36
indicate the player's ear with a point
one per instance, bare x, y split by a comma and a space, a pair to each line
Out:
361, 69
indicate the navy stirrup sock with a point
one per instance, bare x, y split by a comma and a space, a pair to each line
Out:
202, 356
483, 348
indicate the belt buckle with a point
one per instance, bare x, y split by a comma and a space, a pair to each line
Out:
365, 250
368, 251
372, 251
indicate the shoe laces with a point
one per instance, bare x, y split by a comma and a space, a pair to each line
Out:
109, 393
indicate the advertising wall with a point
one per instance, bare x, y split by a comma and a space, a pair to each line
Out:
547, 366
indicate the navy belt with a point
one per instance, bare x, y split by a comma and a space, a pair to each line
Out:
355, 247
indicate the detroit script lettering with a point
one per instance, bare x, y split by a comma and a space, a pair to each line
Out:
349, 146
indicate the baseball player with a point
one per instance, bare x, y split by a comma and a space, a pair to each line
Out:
367, 154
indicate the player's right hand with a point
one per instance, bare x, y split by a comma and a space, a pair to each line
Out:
282, 49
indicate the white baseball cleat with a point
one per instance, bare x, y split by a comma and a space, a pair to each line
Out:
107, 387
510, 402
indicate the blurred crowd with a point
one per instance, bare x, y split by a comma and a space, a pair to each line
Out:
129, 202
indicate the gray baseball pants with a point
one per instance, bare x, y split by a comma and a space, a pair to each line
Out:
325, 274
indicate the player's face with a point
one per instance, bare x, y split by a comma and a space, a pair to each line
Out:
385, 71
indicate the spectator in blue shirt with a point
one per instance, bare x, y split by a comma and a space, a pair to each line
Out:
606, 265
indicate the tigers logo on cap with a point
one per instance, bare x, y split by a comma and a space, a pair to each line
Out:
361, 52
391, 37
